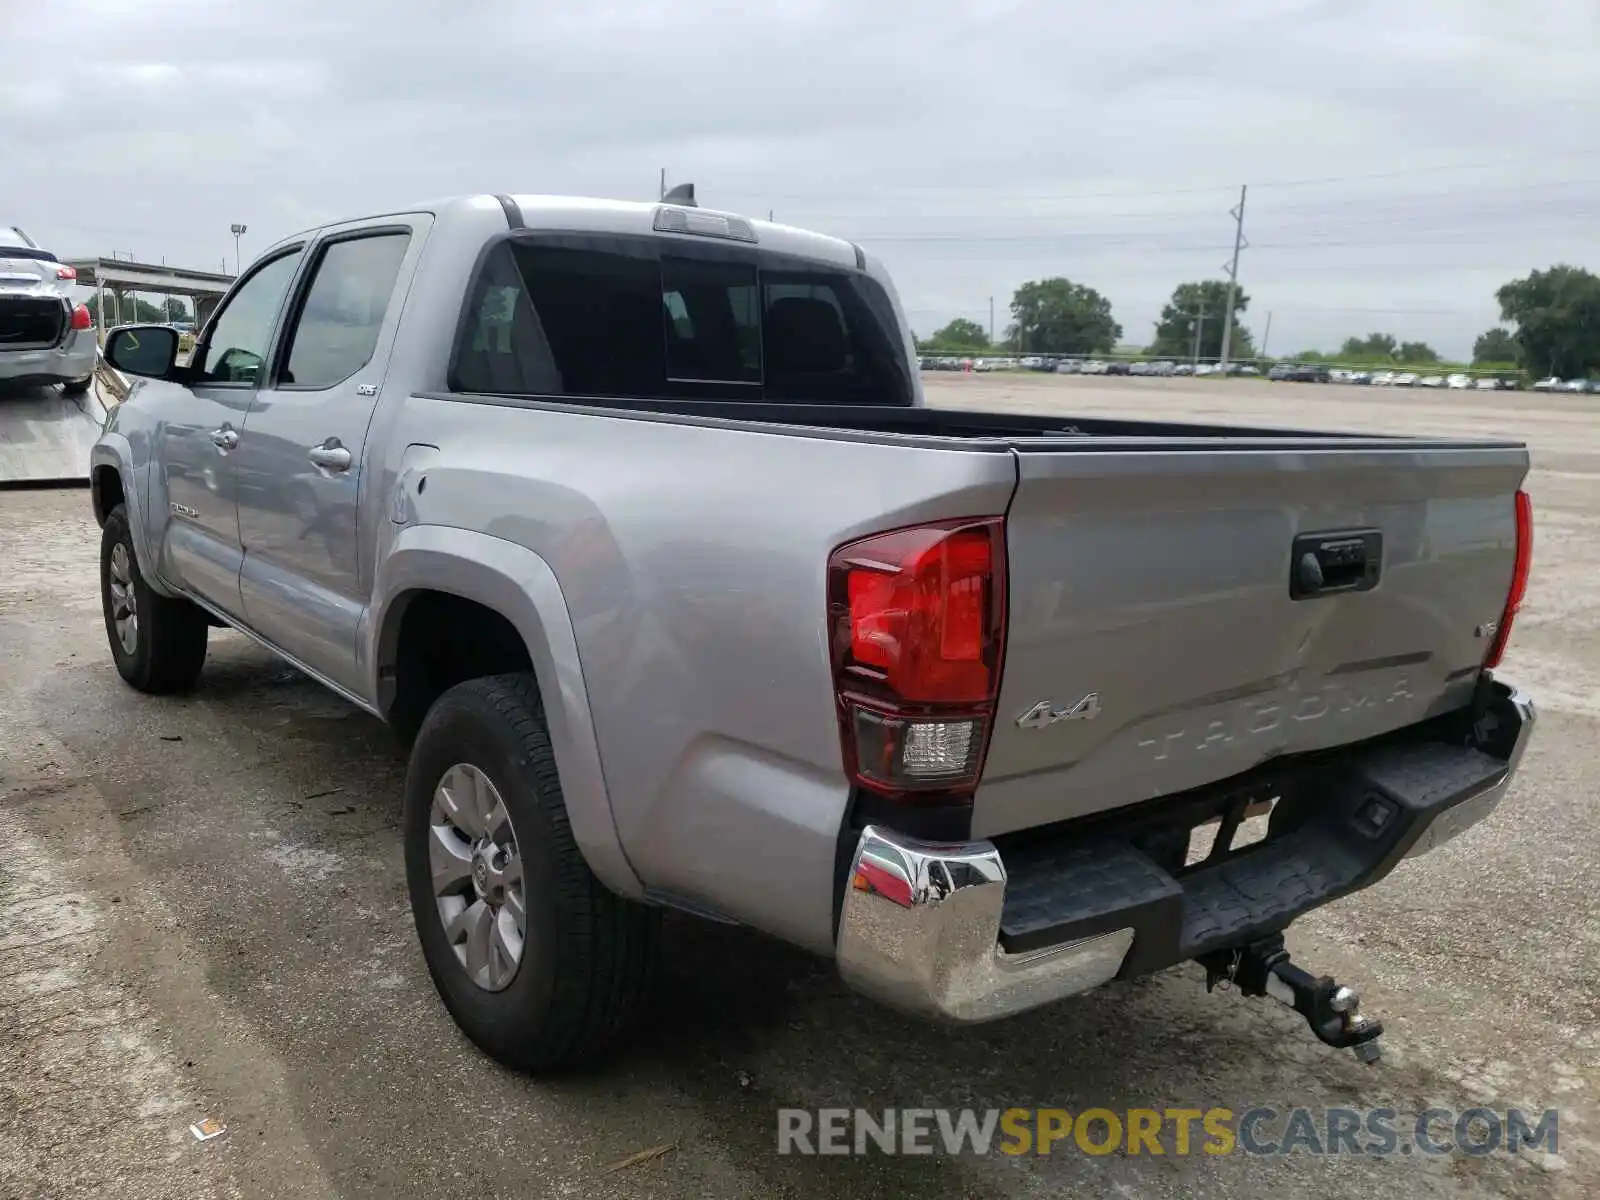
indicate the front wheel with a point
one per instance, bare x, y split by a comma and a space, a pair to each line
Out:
77, 387
158, 642
539, 964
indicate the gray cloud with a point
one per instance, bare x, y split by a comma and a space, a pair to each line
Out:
1404, 159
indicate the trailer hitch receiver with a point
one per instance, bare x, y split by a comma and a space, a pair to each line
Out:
1262, 968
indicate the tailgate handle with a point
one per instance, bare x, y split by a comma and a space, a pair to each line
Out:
1325, 564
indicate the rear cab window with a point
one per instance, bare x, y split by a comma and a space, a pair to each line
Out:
647, 318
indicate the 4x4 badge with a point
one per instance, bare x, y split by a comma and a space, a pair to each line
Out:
1045, 713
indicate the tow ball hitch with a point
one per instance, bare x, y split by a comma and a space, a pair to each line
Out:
1263, 968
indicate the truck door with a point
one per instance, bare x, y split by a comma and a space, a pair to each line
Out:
300, 459
197, 438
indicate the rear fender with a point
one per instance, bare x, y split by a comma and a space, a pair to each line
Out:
520, 586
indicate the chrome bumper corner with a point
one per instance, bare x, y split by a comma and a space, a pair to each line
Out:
920, 932
1513, 717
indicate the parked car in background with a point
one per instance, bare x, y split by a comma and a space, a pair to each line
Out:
1575, 385
1405, 379
1431, 381
1549, 384
1458, 381
45, 336
1300, 373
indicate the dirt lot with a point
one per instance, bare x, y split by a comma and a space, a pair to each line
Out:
202, 912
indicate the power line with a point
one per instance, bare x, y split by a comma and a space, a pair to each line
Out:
1521, 214
1396, 173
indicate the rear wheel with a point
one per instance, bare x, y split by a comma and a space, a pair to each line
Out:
539, 964
158, 642
77, 387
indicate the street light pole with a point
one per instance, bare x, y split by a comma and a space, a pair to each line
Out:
238, 232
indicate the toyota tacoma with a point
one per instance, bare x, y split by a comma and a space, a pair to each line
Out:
632, 522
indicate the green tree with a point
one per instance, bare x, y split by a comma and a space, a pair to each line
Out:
960, 334
1373, 346
1557, 314
1176, 329
1495, 346
1416, 353
1057, 316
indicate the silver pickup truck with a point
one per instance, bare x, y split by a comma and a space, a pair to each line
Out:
630, 519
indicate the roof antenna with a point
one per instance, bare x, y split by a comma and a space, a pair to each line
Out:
682, 194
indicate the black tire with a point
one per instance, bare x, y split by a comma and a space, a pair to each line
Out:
589, 956
170, 639
77, 387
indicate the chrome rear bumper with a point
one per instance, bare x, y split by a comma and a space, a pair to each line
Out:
920, 931
920, 927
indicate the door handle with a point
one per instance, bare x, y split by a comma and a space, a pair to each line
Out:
330, 455
226, 438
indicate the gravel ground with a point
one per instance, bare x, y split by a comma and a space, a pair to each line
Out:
202, 912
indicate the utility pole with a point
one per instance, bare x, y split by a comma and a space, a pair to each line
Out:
1199, 317
663, 193
1233, 278
991, 320
238, 231
1267, 336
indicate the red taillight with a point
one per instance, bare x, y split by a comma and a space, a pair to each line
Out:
65, 272
81, 317
917, 619
1519, 580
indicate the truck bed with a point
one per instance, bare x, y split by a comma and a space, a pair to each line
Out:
975, 429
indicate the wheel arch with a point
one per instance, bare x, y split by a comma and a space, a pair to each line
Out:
112, 481
517, 587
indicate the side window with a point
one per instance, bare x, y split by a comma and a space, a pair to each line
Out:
337, 326
237, 346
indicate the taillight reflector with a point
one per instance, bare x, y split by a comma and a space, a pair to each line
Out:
1519, 580
65, 272
917, 620
82, 318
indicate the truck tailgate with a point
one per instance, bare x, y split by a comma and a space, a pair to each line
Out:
1156, 640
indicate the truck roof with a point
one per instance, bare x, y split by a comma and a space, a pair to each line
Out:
599, 215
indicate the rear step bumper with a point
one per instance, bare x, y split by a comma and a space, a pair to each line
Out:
952, 932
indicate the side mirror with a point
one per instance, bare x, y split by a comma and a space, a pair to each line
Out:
149, 350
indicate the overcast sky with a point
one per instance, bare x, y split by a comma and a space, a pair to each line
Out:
1405, 158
